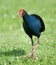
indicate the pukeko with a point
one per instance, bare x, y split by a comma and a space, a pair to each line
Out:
33, 25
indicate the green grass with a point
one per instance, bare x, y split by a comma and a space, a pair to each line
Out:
15, 44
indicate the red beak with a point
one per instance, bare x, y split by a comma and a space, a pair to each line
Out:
21, 13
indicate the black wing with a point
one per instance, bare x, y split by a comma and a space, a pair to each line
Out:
41, 21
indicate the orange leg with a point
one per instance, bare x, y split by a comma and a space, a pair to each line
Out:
37, 44
32, 54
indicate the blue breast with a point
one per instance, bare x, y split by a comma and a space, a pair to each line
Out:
33, 23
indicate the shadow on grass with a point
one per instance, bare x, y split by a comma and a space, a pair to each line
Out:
13, 52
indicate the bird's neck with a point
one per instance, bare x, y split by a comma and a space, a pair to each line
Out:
26, 17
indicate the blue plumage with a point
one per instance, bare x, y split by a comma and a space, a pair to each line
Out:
33, 24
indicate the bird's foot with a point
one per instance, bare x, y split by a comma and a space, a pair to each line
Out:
31, 55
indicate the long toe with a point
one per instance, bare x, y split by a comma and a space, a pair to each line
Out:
33, 57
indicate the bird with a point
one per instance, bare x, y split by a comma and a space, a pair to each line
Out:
33, 25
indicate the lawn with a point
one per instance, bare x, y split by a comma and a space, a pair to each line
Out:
15, 44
